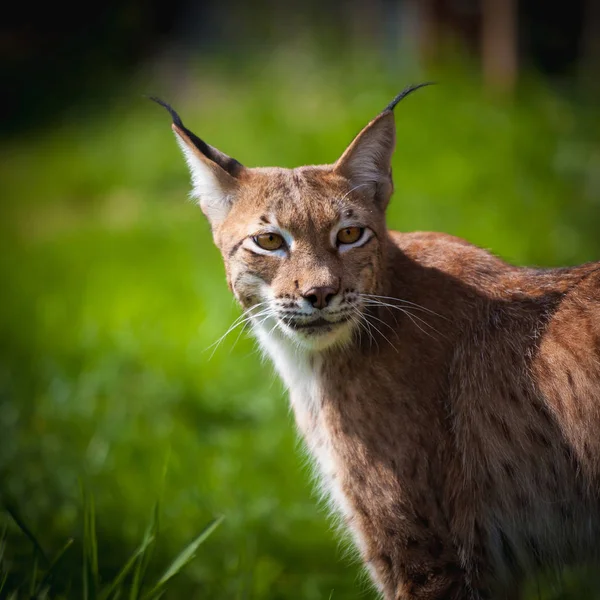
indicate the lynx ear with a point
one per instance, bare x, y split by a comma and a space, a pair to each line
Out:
368, 159
214, 174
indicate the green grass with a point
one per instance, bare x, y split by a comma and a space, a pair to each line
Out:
132, 580
112, 294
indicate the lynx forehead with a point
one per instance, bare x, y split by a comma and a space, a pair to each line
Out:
451, 401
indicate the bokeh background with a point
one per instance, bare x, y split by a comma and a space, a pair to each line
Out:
112, 294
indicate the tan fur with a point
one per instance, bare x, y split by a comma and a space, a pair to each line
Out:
456, 424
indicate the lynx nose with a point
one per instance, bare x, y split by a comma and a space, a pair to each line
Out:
320, 297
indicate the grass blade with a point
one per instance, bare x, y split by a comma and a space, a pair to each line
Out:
186, 555
118, 580
143, 561
152, 530
93, 541
11, 510
34, 575
245, 574
3, 583
47, 577
90, 548
85, 581
3, 537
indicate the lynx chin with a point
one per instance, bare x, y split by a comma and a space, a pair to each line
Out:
451, 401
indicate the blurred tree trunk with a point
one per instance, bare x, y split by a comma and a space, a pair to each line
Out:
366, 22
403, 27
428, 29
499, 44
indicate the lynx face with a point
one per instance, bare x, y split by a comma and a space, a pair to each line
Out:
302, 247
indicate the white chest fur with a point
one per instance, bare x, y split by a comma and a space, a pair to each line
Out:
301, 373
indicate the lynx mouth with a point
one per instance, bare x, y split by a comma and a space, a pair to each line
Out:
318, 334
318, 325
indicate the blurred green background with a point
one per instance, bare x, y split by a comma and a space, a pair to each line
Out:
112, 294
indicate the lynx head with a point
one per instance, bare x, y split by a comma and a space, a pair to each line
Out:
302, 247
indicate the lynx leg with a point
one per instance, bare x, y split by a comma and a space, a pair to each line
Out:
425, 582
421, 572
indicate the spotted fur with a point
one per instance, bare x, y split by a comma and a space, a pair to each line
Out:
451, 401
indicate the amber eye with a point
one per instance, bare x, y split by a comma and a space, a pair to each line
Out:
349, 235
268, 241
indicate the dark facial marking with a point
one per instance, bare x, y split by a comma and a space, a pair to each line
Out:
235, 248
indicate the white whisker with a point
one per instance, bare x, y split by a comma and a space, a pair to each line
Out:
368, 327
357, 324
353, 189
411, 316
413, 304
402, 310
372, 302
243, 319
379, 330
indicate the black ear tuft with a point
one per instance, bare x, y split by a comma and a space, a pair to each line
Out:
176, 118
405, 92
232, 166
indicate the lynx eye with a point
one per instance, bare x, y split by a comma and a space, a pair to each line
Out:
268, 241
349, 235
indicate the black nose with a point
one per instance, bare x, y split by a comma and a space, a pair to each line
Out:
320, 297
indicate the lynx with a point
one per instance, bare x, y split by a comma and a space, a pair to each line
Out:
451, 401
